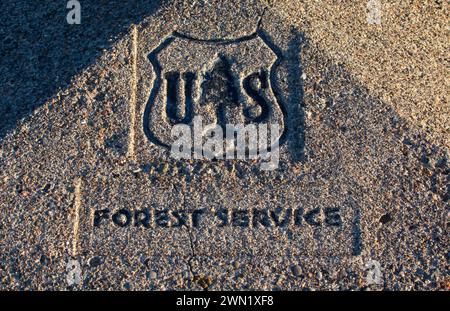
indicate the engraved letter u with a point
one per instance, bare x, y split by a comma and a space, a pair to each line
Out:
177, 109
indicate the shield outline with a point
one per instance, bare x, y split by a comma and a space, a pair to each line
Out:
152, 57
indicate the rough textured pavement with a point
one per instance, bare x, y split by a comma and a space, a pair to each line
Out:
84, 176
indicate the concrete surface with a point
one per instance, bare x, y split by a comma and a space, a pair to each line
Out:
359, 180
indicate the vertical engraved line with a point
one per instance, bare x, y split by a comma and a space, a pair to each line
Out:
91, 223
134, 56
76, 216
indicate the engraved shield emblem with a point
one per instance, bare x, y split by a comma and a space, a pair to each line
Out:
223, 81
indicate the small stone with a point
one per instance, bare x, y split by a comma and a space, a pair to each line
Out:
165, 168
319, 275
137, 170
174, 171
297, 270
95, 261
385, 218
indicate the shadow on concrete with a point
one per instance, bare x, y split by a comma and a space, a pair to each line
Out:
296, 123
40, 52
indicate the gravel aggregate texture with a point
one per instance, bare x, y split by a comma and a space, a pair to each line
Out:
363, 175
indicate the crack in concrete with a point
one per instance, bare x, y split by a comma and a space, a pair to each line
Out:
193, 255
192, 247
